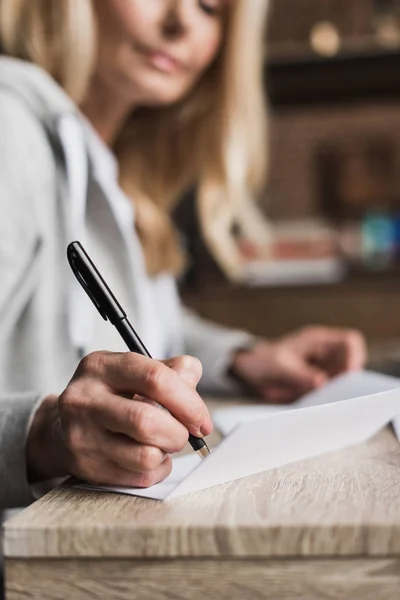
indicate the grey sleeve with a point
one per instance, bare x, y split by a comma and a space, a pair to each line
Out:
23, 147
214, 345
15, 416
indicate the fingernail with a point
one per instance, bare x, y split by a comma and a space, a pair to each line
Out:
207, 426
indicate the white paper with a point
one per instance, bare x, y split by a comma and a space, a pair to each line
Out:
277, 439
344, 387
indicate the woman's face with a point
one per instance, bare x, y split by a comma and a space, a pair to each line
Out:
152, 52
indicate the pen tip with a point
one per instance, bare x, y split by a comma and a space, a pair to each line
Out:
204, 451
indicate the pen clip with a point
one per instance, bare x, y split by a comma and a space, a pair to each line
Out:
74, 261
83, 283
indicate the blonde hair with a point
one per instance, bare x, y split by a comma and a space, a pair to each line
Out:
214, 138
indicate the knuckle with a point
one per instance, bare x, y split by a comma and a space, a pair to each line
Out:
180, 439
145, 480
155, 379
196, 412
79, 400
74, 438
149, 458
69, 398
142, 422
127, 361
92, 363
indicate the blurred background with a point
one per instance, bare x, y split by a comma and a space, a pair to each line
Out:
332, 73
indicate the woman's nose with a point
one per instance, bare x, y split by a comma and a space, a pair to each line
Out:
173, 24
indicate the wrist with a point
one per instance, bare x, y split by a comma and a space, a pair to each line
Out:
243, 356
45, 455
238, 364
242, 363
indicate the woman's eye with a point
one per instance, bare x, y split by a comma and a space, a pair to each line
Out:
211, 7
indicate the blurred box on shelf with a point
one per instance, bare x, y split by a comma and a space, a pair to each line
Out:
294, 272
302, 252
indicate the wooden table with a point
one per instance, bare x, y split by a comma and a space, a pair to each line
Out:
325, 528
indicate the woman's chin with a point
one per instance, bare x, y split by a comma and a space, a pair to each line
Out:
160, 98
161, 90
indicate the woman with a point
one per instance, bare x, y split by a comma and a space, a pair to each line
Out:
169, 94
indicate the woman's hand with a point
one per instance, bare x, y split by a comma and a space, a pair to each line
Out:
281, 371
104, 427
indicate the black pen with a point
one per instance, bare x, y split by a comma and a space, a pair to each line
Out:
110, 309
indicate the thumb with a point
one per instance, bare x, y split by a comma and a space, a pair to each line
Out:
188, 368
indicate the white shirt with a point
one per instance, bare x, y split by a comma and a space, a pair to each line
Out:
156, 314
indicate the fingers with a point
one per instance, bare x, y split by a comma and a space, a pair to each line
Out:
136, 374
97, 454
292, 371
337, 349
299, 378
279, 394
306, 377
110, 437
356, 355
102, 445
110, 473
130, 455
188, 368
142, 422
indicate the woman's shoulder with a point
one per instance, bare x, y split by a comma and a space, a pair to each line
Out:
25, 152
27, 166
19, 126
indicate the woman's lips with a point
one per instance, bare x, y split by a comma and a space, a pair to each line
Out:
162, 61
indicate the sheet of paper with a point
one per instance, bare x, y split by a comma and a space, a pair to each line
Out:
351, 385
278, 439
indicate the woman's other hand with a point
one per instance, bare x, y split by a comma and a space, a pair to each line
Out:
281, 371
101, 430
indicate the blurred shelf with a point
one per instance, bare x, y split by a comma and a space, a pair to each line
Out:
360, 72
295, 53
362, 68
371, 304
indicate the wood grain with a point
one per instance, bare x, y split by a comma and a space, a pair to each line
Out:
342, 504
199, 579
